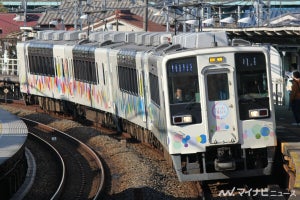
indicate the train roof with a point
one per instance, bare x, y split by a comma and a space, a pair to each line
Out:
13, 134
139, 40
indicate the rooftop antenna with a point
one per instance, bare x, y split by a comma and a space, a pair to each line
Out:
214, 43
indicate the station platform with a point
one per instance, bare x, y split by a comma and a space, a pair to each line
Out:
13, 134
286, 132
288, 137
13, 163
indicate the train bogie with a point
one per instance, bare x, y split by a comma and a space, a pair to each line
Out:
207, 104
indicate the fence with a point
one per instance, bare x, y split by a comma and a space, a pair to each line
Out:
9, 67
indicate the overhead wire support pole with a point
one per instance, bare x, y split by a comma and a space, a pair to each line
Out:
75, 14
200, 7
145, 20
167, 20
197, 14
25, 12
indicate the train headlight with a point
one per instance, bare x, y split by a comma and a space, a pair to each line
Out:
182, 119
258, 113
219, 59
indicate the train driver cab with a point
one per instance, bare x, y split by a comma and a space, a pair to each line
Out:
184, 96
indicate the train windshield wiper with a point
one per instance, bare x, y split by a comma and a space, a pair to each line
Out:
247, 97
190, 104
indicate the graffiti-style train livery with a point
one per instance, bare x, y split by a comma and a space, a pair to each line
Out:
200, 97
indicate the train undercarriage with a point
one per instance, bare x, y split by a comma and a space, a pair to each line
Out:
9, 91
98, 119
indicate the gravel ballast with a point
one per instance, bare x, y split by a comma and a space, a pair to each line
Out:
134, 170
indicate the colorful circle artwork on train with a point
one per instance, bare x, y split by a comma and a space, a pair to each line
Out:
258, 132
220, 111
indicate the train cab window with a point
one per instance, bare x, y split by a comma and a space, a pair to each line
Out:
217, 87
251, 76
184, 95
183, 81
252, 85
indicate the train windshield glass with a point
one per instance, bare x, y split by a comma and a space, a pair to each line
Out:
251, 75
183, 80
217, 87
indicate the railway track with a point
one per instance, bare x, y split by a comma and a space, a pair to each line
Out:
80, 175
49, 160
239, 189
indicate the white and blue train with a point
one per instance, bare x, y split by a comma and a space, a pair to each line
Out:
204, 100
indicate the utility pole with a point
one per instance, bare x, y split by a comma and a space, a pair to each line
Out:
25, 12
145, 18
268, 13
75, 14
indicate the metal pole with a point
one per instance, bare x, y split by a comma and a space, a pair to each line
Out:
88, 21
62, 23
80, 12
283, 81
117, 13
75, 14
185, 10
175, 23
145, 24
200, 17
25, 12
168, 24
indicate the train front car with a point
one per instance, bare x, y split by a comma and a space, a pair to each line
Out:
220, 115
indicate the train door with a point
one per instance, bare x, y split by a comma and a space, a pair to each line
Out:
221, 112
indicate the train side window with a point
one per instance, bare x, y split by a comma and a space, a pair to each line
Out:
48, 72
75, 68
82, 75
46, 65
71, 73
103, 74
41, 66
97, 72
31, 63
66, 67
88, 66
80, 71
43, 69
127, 73
55, 67
128, 80
90, 72
36, 65
62, 67
94, 76
134, 82
154, 89
124, 77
